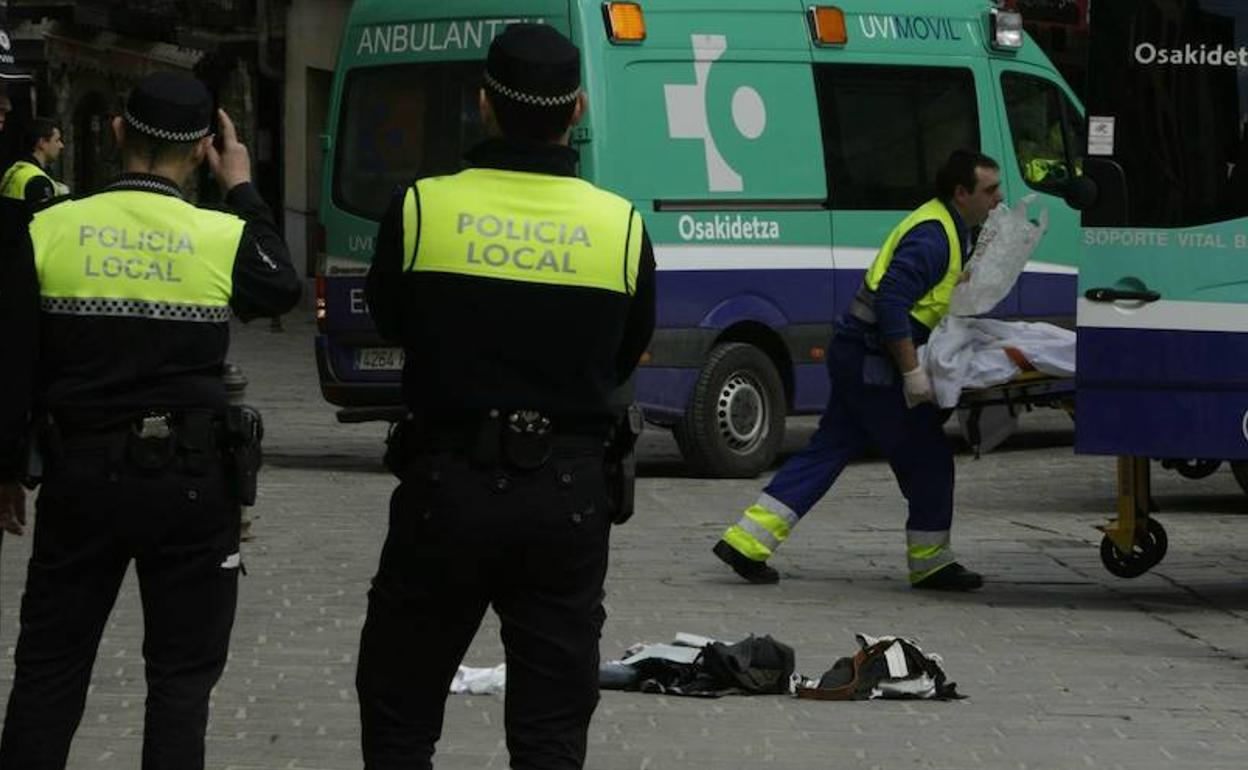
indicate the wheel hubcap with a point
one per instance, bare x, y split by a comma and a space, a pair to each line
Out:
741, 413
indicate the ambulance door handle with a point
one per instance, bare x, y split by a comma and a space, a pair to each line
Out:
1121, 295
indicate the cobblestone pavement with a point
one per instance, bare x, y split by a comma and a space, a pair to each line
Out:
1065, 666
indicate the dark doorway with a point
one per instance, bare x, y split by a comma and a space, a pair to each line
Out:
95, 153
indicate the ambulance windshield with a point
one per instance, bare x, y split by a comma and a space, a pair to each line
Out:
401, 123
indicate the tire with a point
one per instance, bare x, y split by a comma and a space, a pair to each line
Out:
1239, 469
1192, 469
734, 423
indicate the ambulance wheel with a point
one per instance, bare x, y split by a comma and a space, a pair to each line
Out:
734, 423
1148, 552
1239, 469
1192, 469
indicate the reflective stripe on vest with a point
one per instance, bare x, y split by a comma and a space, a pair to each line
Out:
136, 254
13, 185
519, 226
934, 305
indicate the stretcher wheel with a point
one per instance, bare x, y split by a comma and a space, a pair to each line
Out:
1150, 549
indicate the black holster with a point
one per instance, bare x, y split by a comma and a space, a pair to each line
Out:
620, 463
399, 446
244, 433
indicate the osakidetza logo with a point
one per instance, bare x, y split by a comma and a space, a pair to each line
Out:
728, 227
1191, 55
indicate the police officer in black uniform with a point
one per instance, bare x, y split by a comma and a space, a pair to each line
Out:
117, 325
12, 214
523, 297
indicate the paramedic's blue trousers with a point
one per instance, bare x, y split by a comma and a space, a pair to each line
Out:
866, 409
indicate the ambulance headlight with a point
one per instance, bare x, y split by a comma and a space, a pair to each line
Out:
1006, 29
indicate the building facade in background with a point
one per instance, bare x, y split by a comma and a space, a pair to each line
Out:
267, 61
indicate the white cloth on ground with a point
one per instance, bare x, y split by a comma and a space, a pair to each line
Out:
479, 681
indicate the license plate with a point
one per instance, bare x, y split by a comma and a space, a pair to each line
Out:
379, 359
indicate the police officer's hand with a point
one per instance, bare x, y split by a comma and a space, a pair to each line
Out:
12, 507
231, 165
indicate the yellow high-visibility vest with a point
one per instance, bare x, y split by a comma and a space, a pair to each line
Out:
522, 226
136, 254
934, 305
13, 184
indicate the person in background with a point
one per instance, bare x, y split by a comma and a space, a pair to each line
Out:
27, 179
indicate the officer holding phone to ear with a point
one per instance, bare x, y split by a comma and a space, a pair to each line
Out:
117, 323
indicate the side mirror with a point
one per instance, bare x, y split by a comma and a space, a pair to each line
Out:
1081, 194
1109, 207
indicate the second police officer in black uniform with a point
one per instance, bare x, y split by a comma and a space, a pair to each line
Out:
523, 297
116, 317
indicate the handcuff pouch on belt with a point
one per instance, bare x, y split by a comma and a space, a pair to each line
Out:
244, 433
620, 462
525, 439
151, 443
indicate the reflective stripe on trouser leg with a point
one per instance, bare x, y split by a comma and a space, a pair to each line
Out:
762, 528
927, 553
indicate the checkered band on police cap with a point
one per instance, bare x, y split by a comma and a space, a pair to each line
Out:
534, 64
170, 106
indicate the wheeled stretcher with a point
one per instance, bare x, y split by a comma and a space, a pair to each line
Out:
1133, 541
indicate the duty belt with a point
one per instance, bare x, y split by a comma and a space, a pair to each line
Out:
524, 438
862, 306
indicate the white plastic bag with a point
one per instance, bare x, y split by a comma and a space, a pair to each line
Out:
1005, 244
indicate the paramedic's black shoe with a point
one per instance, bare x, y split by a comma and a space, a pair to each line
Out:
756, 572
955, 577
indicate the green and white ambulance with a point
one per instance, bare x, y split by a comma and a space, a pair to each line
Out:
1162, 369
770, 146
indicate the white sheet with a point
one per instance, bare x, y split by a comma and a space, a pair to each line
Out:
970, 353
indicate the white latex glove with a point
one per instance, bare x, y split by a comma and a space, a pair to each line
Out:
917, 387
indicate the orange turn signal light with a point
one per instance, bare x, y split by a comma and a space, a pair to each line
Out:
625, 22
827, 25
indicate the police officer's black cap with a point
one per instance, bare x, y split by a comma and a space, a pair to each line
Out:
170, 106
534, 64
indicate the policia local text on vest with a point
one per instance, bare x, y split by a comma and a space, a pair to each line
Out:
117, 315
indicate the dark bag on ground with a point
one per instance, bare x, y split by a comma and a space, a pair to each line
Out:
756, 665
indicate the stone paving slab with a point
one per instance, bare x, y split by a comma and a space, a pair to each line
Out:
1065, 666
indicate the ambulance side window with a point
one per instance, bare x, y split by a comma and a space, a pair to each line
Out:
887, 129
1046, 130
399, 123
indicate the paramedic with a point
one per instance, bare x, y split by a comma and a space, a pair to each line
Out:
881, 398
523, 297
120, 320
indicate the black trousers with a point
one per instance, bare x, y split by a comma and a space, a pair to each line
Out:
462, 538
94, 514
